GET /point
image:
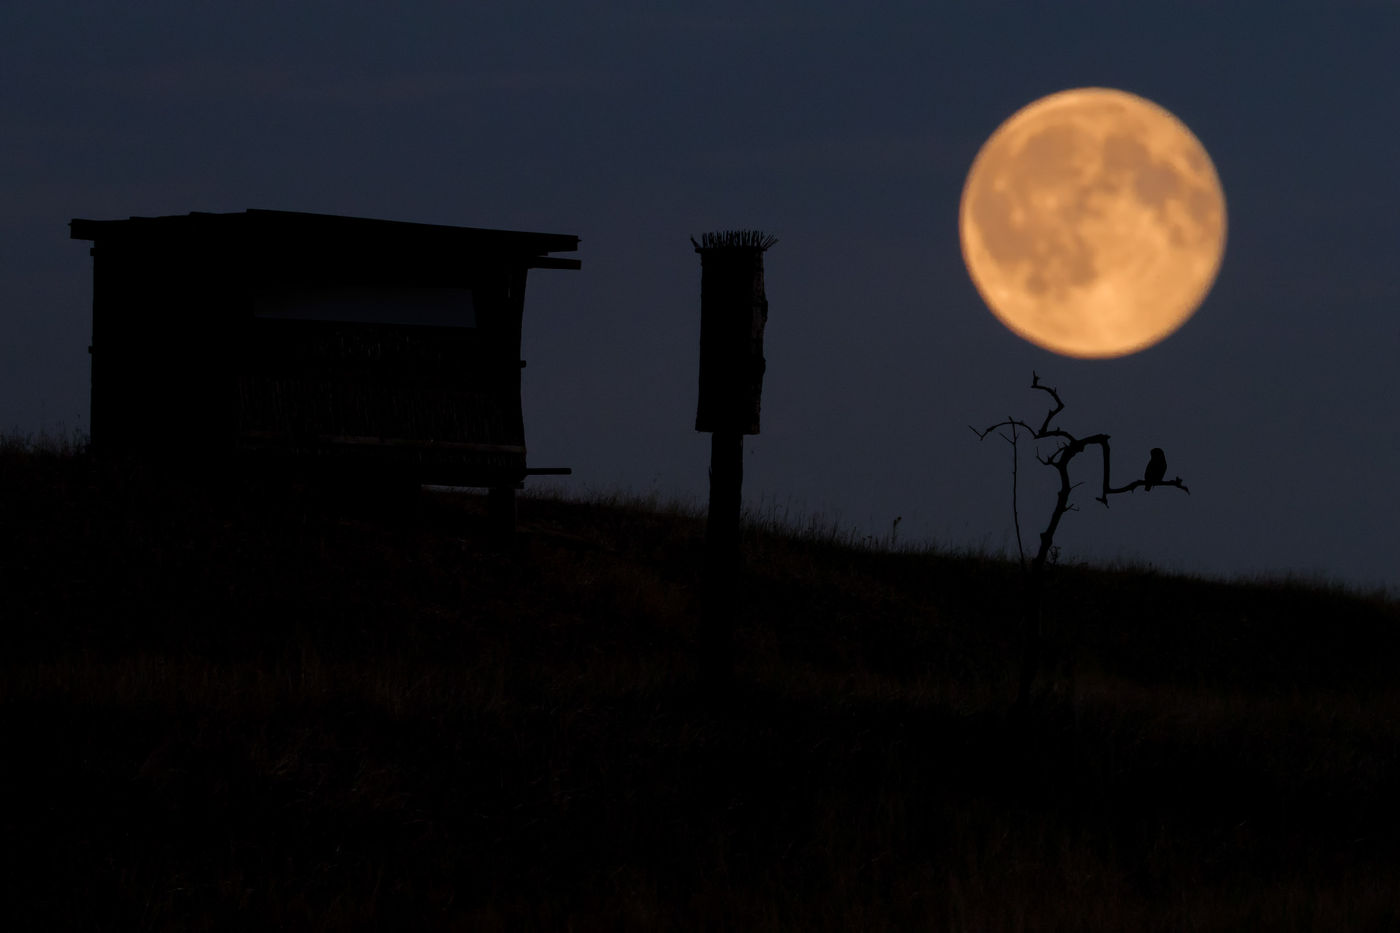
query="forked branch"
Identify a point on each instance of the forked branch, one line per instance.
(1072, 446)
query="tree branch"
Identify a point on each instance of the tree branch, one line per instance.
(1069, 448)
(1142, 482)
(1055, 394)
(1008, 423)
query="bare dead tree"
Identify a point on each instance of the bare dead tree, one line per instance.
(1068, 448)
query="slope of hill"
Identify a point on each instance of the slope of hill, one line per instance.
(226, 709)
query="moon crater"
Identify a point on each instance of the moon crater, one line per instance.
(1093, 223)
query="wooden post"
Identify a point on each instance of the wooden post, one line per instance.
(720, 599)
(733, 313)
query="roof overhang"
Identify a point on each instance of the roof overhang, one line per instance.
(275, 230)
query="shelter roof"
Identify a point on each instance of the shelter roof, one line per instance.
(274, 230)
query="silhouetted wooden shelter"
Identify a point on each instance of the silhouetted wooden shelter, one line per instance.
(325, 339)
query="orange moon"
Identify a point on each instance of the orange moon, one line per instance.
(1093, 223)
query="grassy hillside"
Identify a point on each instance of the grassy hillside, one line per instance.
(226, 710)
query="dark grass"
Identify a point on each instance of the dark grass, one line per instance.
(302, 709)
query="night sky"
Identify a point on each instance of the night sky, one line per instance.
(848, 135)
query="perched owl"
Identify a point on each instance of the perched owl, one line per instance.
(1156, 468)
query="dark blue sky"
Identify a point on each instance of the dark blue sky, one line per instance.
(848, 134)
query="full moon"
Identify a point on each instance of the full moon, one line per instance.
(1093, 223)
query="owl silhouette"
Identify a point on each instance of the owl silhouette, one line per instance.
(1156, 469)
